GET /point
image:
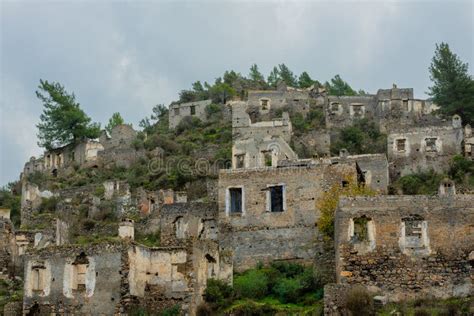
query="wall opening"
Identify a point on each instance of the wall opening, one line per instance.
(193, 109)
(80, 266)
(265, 104)
(276, 198)
(414, 235)
(179, 227)
(362, 234)
(357, 110)
(38, 277)
(401, 144)
(240, 161)
(235, 200)
(267, 158)
(176, 111)
(430, 143)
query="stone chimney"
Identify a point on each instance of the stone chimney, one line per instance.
(127, 229)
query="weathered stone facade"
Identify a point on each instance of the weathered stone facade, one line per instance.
(406, 246)
(423, 148)
(255, 232)
(179, 111)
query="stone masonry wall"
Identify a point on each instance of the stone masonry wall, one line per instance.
(414, 246)
(257, 234)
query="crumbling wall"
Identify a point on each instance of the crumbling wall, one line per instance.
(180, 222)
(424, 148)
(74, 280)
(399, 246)
(256, 233)
(179, 111)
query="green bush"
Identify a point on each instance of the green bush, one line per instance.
(188, 123)
(252, 284)
(172, 311)
(288, 269)
(218, 293)
(359, 302)
(48, 205)
(363, 137)
(420, 183)
(288, 290)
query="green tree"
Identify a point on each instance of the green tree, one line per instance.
(273, 77)
(115, 120)
(159, 115)
(338, 86)
(256, 77)
(287, 76)
(453, 87)
(62, 121)
(305, 81)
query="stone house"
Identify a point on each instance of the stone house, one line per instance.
(398, 246)
(423, 148)
(270, 213)
(178, 111)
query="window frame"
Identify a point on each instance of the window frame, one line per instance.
(269, 198)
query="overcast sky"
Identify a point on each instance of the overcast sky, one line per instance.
(126, 57)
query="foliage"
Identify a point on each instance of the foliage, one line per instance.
(420, 183)
(11, 199)
(148, 239)
(359, 302)
(363, 137)
(251, 284)
(328, 202)
(305, 81)
(273, 77)
(288, 290)
(314, 120)
(172, 311)
(62, 121)
(448, 307)
(461, 170)
(453, 87)
(218, 293)
(158, 120)
(115, 120)
(48, 205)
(256, 78)
(338, 86)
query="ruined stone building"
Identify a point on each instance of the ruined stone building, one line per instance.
(407, 246)
(424, 148)
(178, 111)
(262, 209)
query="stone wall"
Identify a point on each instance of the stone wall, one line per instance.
(179, 111)
(258, 234)
(56, 283)
(180, 222)
(424, 148)
(406, 246)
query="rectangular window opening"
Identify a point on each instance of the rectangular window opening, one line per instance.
(401, 143)
(235, 200)
(240, 161)
(276, 198)
(193, 110)
(431, 144)
(176, 111)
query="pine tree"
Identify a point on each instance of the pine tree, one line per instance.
(338, 86)
(256, 78)
(274, 77)
(453, 87)
(115, 120)
(305, 81)
(62, 121)
(287, 75)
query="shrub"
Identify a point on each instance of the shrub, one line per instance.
(188, 123)
(252, 284)
(204, 310)
(359, 302)
(288, 269)
(172, 311)
(218, 293)
(48, 205)
(288, 290)
(88, 224)
(363, 137)
(420, 183)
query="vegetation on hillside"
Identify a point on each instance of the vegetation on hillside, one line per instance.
(453, 86)
(461, 171)
(63, 121)
(282, 286)
(327, 203)
(363, 137)
(10, 198)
